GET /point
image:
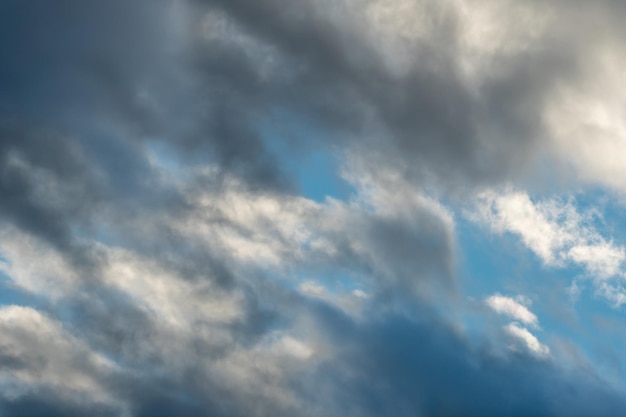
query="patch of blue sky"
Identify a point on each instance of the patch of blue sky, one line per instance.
(490, 263)
(598, 328)
(596, 322)
(318, 179)
(96, 232)
(334, 282)
(164, 155)
(314, 170)
(296, 144)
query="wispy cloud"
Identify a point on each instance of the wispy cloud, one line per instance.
(528, 339)
(557, 233)
(512, 308)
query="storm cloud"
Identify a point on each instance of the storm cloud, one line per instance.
(168, 261)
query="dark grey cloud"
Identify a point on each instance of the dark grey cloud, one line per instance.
(88, 91)
(342, 83)
(431, 371)
(148, 71)
(390, 365)
(35, 407)
(115, 73)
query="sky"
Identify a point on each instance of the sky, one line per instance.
(312, 208)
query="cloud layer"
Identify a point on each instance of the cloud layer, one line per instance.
(163, 260)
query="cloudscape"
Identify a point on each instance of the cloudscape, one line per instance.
(312, 208)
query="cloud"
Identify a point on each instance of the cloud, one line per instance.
(528, 339)
(149, 212)
(40, 358)
(429, 369)
(164, 309)
(556, 232)
(535, 224)
(158, 79)
(512, 308)
(195, 345)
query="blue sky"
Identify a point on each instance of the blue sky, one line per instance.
(312, 208)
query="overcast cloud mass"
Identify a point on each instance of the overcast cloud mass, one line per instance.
(312, 208)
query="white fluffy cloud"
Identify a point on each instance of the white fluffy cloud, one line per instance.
(512, 308)
(528, 339)
(516, 308)
(557, 233)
